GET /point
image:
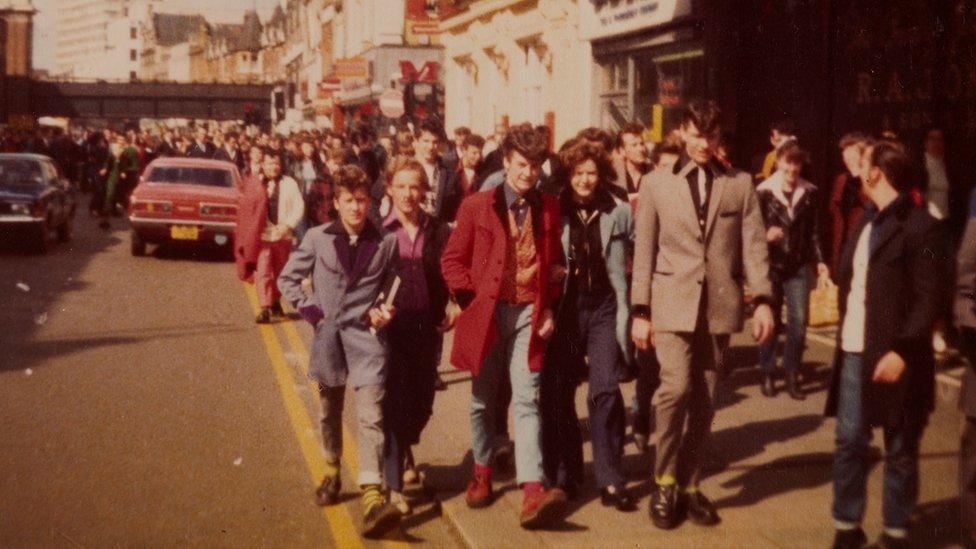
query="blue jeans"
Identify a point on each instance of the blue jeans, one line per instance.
(851, 461)
(509, 355)
(795, 293)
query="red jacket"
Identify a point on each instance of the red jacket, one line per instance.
(252, 214)
(472, 265)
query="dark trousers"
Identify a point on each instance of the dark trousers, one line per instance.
(414, 350)
(588, 330)
(851, 459)
(793, 291)
(648, 380)
(967, 448)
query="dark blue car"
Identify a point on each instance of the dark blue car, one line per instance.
(36, 203)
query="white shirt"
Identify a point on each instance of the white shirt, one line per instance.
(430, 199)
(852, 332)
(702, 187)
(937, 195)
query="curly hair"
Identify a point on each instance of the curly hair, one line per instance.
(350, 178)
(579, 153)
(527, 141)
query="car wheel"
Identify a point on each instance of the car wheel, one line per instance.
(138, 245)
(65, 231)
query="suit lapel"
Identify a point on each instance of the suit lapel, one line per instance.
(364, 255)
(607, 223)
(886, 232)
(343, 252)
(714, 199)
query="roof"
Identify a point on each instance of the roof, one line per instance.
(25, 156)
(190, 163)
(172, 29)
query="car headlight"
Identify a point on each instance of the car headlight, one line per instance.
(20, 208)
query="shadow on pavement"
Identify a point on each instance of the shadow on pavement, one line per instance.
(937, 523)
(781, 476)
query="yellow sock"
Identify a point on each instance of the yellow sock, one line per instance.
(666, 480)
(331, 468)
(371, 497)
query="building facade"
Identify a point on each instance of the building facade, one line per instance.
(516, 61)
(16, 33)
(99, 40)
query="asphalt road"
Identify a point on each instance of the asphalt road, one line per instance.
(141, 406)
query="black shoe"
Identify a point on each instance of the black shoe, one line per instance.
(619, 498)
(768, 387)
(700, 510)
(104, 225)
(277, 311)
(379, 520)
(328, 492)
(793, 386)
(439, 384)
(849, 539)
(571, 489)
(888, 542)
(264, 317)
(664, 507)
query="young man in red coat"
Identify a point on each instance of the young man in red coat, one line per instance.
(501, 266)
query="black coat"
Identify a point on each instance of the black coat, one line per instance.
(800, 245)
(237, 158)
(196, 151)
(905, 295)
(435, 238)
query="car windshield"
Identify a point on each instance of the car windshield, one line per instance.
(211, 177)
(19, 171)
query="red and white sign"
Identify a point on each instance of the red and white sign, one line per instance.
(427, 73)
(329, 85)
(391, 103)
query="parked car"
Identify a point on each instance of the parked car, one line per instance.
(36, 202)
(189, 200)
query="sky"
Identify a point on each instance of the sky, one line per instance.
(45, 24)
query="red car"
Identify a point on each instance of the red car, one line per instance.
(185, 200)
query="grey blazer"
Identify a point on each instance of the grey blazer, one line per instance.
(343, 349)
(673, 260)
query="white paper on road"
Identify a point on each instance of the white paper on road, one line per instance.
(40, 319)
(28, 372)
(23, 287)
(238, 462)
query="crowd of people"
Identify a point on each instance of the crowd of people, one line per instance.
(605, 260)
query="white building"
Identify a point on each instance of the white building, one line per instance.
(99, 39)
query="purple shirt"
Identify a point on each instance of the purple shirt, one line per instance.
(412, 295)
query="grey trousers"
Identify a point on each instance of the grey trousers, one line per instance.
(369, 428)
(689, 376)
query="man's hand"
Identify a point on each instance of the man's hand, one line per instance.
(889, 368)
(546, 324)
(557, 274)
(762, 323)
(823, 271)
(380, 316)
(451, 312)
(642, 333)
(312, 314)
(774, 233)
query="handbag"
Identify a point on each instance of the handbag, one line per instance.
(823, 304)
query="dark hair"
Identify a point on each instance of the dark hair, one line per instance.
(350, 178)
(431, 127)
(630, 129)
(462, 130)
(527, 141)
(854, 139)
(581, 152)
(473, 140)
(671, 145)
(782, 126)
(704, 114)
(893, 160)
(597, 136)
(792, 153)
(403, 163)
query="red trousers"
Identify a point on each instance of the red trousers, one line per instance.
(271, 261)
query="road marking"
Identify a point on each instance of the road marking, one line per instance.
(349, 457)
(338, 517)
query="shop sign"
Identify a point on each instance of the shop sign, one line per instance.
(353, 67)
(391, 103)
(604, 18)
(427, 73)
(329, 85)
(669, 91)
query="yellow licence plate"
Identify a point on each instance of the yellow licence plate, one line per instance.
(178, 232)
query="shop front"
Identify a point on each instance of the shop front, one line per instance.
(648, 62)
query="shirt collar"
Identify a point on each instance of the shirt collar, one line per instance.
(713, 166)
(337, 228)
(392, 222)
(531, 197)
(879, 216)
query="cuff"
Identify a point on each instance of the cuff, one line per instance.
(761, 300)
(640, 311)
(903, 348)
(463, 298)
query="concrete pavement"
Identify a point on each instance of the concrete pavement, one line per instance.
(142, 406)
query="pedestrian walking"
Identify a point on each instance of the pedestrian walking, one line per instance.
(890, 296)
(699, 232)
(200, 147)
(590, 339)
(498, 265)
(847, 198)
(790, 210)
(414, 336)
(350, 263)
(965, 316)
(270, 209)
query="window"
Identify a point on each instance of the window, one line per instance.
(133, 33)
(132, 55)
(132, 76)
(191, 176)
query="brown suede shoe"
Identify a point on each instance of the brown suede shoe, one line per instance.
(479, 492)
(540, 509)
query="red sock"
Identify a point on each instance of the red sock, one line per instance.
(530, 488)
(482, 470)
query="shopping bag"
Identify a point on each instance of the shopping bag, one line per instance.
(823, 304)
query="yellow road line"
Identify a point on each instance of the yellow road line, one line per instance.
(349, 454)
(338, 517)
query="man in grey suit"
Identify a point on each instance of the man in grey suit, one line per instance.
(699, 235)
